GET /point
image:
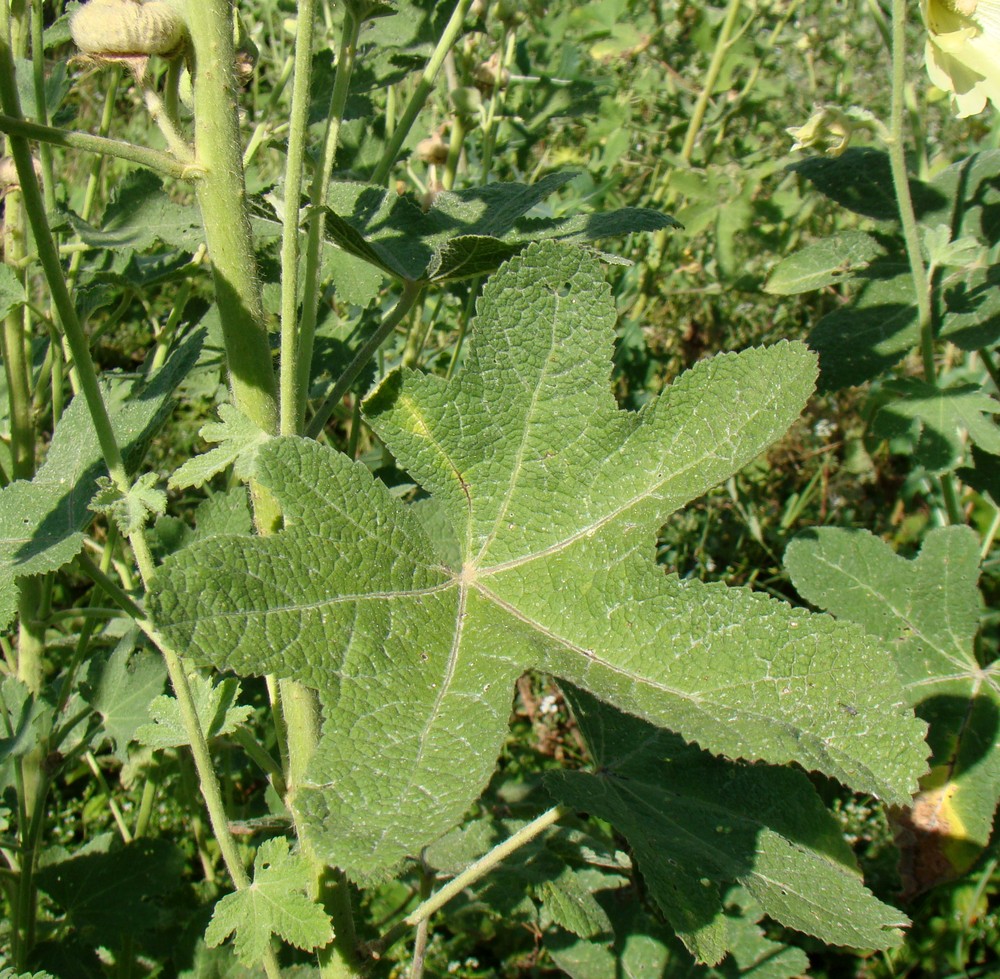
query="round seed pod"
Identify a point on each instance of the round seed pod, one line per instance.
(117, 29)
(433, 149)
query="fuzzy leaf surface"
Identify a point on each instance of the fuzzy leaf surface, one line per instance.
(927, 609)
(274, 904)
(698, 824)
(550, 496)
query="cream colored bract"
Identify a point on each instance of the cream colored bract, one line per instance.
(963, 50)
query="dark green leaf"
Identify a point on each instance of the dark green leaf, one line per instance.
(110, 896)
(698, 824)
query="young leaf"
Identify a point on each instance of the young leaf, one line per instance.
(130, 511)
(237, 439)
(927, 611)
(936, 421)
(697, 824)
(553, 496)
(42, 521)
(216, 713)
(274, 904)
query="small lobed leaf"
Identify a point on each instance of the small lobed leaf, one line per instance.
(122, 687)
(236, 439)
(274, 904)
(131, 510)
(937, 421)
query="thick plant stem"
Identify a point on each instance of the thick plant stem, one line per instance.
(222, 198)
(425, 86)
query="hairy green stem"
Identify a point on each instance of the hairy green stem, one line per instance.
(467, 877)
(317, 194)
(911, 236)
(154, 160)
(48, 257)
(222, 197)
(298, 128)
(411, 292)
(425, 86)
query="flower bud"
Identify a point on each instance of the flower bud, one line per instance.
(114, 30)
(828, 129)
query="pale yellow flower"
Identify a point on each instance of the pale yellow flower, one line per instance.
(963, 50)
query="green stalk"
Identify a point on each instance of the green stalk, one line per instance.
(317, 194)
(13, 124)
(711, 77)
(425, 86)
(467, 878)
(48, 257)
(222, 198)
(38, 78)
(410, 294)
(290, 413)
(908, 223)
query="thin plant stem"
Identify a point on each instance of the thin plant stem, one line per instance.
(290, 414)
(911, 236)
(48, 257)
(116, 812)
(154, 160)
(722, 43)
(411, 291)
(425, 86)
(317, 196)
(469, 876)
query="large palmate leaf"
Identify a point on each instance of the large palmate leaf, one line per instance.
(535, 551)
(42, 521)
(927, 610)
(698, 824)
